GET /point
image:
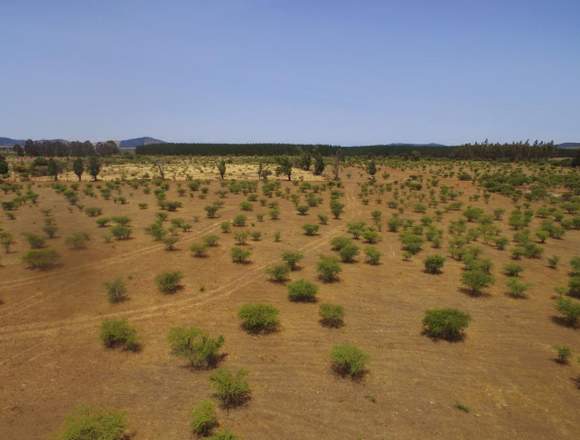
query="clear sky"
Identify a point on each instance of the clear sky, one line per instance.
(340, 72)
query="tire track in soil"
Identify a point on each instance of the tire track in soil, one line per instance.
(43, 329)
(14, 308)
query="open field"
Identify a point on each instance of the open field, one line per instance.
(500, 381)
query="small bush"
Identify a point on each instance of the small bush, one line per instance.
(373, 255)
(121, 232)
(302, 291)
(211, 240)
(512, 269)
(259, 318)
(116, 291)
(516, 288)
(310, 229)
(168, 282)
(240, 255)
(446, 324)
(434, 264)
(41, 259)
(35, 241)
(476, 280)
(563, 354)
(196, 346)
(570, 310)
(348, 253)
(331, 315)
(223, 435)
(118, 333)
(203, 418)
(278, 272)
(328, 269)
(553, 261)
(198, 250)
(292, 258)
(232, 389)
(348, 360)
(78, 240)
(87, 423)
(337, 243)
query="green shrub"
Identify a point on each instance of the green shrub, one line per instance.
(574, 286)
(337, 243)
(563, 354)
(169, 241)
(516, 288)
(371, 236)
(512, 269)
(476, 280)
(302, 291)
(328, 269)
(78, 240)
(331, 315)
(348, 360)
(278, 272)
(211, 240)
(240, 220)
(118, 333)
(570, 310)
(310, 229)
(121, 232)
(240, 255)
(116, 290)
(434, 264)
(446, 324)
(196, 346)
(223, 435)
(168, 282)
(259, 318)
(292, 258)
(348, 253)
(232, 389)
(203, 418)
(553, 261)
(35, 241)
(575, 265)
(198, 250)
(373, 255)
(41, 259)
(241, 237)
(88, 423)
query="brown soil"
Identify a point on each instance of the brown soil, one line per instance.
(52, 359)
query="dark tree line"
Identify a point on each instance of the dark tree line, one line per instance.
(62, 148)
(309, 152)
(509, 151)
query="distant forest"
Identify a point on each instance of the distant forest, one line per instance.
(62, 148)
(485, 150)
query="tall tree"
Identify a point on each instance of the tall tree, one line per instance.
(318, 164)
(94, 166)
(372, 168)
(4, 169)
(221, 166)
(79, 167)
(284, 167)
(336, 167)
(53, 169)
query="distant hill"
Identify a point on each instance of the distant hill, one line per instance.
(9, 142)
(137, 142)
(569, 145)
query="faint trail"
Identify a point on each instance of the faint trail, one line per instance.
(101, 263)
(43, 329)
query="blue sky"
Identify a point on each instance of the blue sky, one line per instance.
(340, 72)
